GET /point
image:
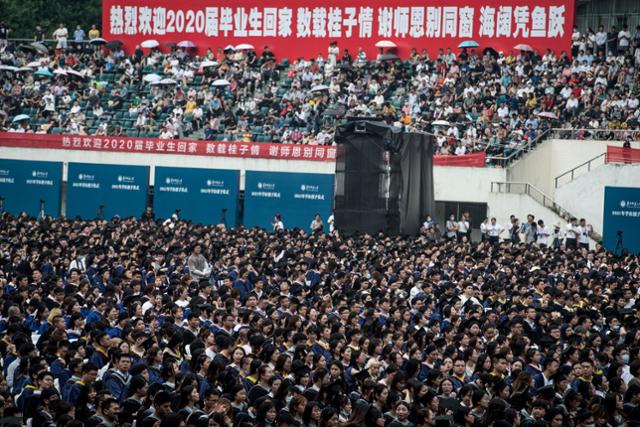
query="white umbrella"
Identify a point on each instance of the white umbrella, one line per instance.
(34, 64)
(24, 70)
(319, 88)
(221, 82)
(8, 68)
(229, 47)
(20, 117)
(152, 78)
(72, 72)
(149, 44)
(206, 64)
(523, 47)
(386, 43)
(60, 72)
(440, 123)
(168, 82)
(245, 46)
(98, 40)
(187, 44)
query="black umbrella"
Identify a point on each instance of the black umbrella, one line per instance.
(388, 57)
(490, 51)
(114, 44)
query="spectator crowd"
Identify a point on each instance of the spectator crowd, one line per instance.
(484, 100)
(150, 323)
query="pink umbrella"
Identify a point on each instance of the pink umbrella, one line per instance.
(524, 47)
(547, 115)
(187, 44)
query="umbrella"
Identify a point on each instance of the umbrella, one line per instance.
(101, 86)
(523, 47)
(114, 44)
(150, 44)
(40, 47)
(319, 88)
(221, 82)
(547, 115)
(44, 72)
(187, 44)
(440, 123)
(75, 73)
(245, 46)
(206, 64)
(20, 117)
(59, 71)
(386, 43)
(229, 47)
(388, 57)
(152, 78)
(10, 68)
(24, 70)
(168, 82)
(468, 43)
(490, 51)
(34, 64)
(98, 41)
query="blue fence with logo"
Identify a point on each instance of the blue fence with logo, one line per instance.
(205, 196)
(297, 197)
(32, 187)
(621, 219)
(95, 190)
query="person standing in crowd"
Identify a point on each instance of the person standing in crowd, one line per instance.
(4, 34)
(60, 35)
(542, 234)
(483, 229)
(572, 233)
(452, 227)
(198, 266)
(529, 229)
(624, 40)
(463, 228)
(494, 230)
(38, 35)
(78, 37)
(601, 41)
(585, 234)
(331, 221)
(277, 224)
(94, 33)
(317, 225)
(514, 231)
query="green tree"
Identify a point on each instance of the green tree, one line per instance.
(22, 16)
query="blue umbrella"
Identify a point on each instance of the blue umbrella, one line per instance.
(20, 117)
(43, 72)
(468, 43)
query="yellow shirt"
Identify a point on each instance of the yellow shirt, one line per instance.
(94, 33)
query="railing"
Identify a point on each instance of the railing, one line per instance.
(504, 161)
(595, 134)
(588, 165)
(539, 196)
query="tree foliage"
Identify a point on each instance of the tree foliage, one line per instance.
(22, 16)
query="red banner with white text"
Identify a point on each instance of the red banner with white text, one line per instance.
(255, 150)
(170, 146)
(622, 154)
(474, 160)
(305, 28)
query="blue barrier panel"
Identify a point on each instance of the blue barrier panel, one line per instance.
(205, 196)
(106, 190)
(24, 184)
(295, 196)
(621, 218)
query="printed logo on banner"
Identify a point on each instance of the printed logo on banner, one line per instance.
(630, 204)
(126, 183)
(5, 172)
(309, 192)
(86, 177)
(266, 189)
(39, 178)
(173, 181)
(5, 178)
(173, 185)
(215, 186)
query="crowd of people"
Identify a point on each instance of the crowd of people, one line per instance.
(147, 323)
(485, 100)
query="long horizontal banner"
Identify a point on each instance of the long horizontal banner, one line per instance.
(477, 160)
(622, 155)
(248, 150)
(305, 28)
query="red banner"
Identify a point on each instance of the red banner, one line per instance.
(474, 160)
(170, 146)
(622, 155)
(305, 29)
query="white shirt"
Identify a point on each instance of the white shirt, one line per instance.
(543, 235)
(61, 34)
(278, 225)
(572, 232)
(584, 233)
(463, 226)
(494, 230)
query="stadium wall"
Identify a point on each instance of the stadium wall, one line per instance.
(585, 194)
(553, 158)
